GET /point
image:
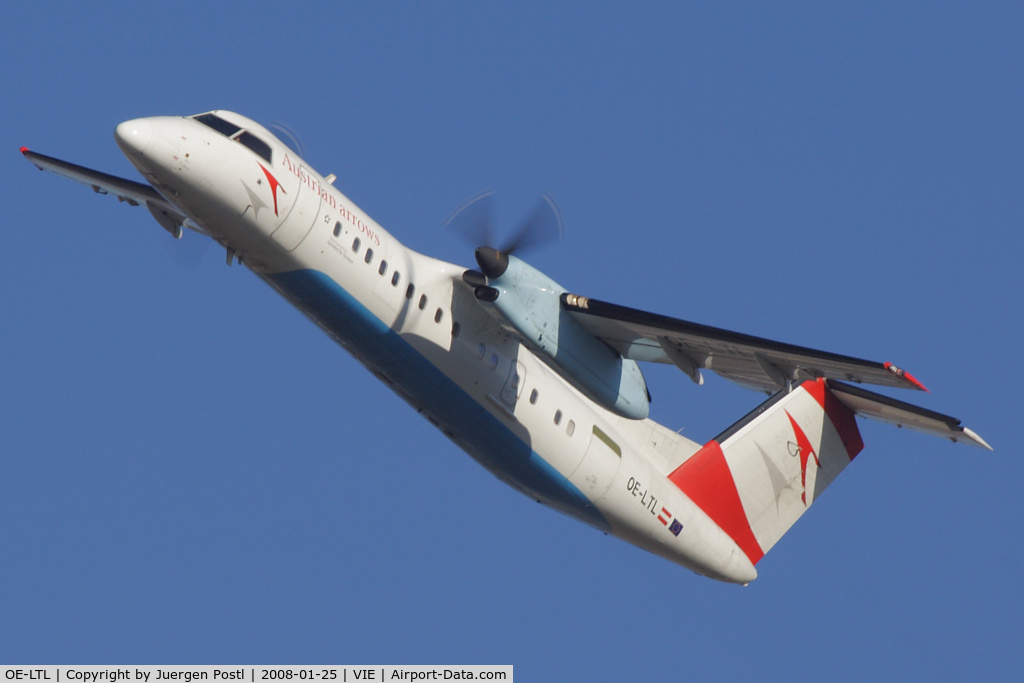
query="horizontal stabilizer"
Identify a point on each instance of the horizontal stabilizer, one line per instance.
(885, 409)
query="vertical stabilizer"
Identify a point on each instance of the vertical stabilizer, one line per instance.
(756, 478)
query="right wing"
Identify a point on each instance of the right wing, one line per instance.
(166, 214)
(760, 363)
(750, 361)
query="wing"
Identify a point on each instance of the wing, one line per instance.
(751, 361)
(134, 193)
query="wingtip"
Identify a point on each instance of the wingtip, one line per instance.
(977, 440)
(910, 378)
(24, 150)
(903, 374)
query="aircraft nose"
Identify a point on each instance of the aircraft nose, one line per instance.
(134, 136)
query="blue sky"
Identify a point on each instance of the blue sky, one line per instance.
(191, 472)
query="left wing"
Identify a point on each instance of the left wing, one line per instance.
(751, 361)
(166, 214)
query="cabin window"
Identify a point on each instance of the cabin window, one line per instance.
(438, 316)
(355, 246)
(558, 417)
(533, 397)
(570, 427)
(494, 361)
(255, 144)
(383, 267)
(369, 255)
(395, 278)
(337, 228)
(481, 351)
(410, 290)
(423, 301)
(456, 328)
(218, 124)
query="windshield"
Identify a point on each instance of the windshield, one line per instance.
(236, 133)
(218, 124)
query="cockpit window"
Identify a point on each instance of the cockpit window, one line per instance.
(218, 124)
(235, 132)
(255, 144)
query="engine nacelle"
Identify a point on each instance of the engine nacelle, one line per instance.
(528, 303)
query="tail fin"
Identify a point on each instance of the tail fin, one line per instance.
(760, 475)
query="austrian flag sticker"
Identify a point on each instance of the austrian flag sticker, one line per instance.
(673, 524)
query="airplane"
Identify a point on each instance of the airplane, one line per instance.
(542, 386)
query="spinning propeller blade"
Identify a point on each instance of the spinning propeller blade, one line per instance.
(542, 225)
(289, 137)
(474, 221)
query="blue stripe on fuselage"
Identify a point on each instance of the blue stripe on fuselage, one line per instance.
(480, 433)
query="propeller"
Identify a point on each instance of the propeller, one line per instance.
(289, 137)
(188, 251)
(474, 221)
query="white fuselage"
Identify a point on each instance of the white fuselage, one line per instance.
(413, 322)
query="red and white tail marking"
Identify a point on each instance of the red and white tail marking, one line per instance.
(766, 470)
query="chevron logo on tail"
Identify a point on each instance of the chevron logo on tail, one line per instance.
(805, 451)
